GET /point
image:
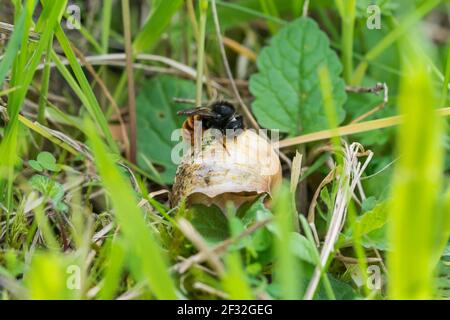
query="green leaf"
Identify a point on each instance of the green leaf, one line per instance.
(250, 211)
(342, 289)
(261, 240)
(302, 248)
(35, 165)
(49, 188)
(210, 222)
(156, 120)
(372, 220)
(46, 186)
(376, 239)
(47, 161)
(372, 228)
(369, 203)
(286, 88)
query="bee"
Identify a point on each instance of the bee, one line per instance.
(220, 115)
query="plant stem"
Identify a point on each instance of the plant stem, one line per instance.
(44, 84)
(201, 51)
(305, 9)
(269, 8)
(351, 129)
(348, 13)
(446, 83)
(131, 90)
(106, 25)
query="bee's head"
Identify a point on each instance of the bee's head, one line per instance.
(223, 109)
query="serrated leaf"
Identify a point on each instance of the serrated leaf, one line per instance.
(342, 290)
(376, 239)
(52, 189)
(372, 228)
(373, 220)
(286, 88)
(156, 120)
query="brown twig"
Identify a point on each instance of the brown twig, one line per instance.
(131, 89)
(197, 240)
(208, 289)
(219, 248)
(117, 59)
(352, 260)
(369, 113)
(8, 29)
(376, 89)
(239, 48)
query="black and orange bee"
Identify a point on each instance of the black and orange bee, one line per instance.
(219, 115)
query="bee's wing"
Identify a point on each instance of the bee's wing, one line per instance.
(201, 111)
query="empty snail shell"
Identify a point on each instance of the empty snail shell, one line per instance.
(234, 170)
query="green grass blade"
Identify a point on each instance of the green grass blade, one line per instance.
(269, 8)
(44, 84)
(106, 25)
(404, 27)
(22, 74)
(348, 14)
(131, 221)
(326, 89)
(287, 270)
(85, 86)
(326, 281)
(157, 22)
(416, 185)
(234, 280)
(47, 278)
(446, 83)
(72, 82)
(13, 47)
(113, 270)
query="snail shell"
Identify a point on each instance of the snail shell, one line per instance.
(235, 170)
